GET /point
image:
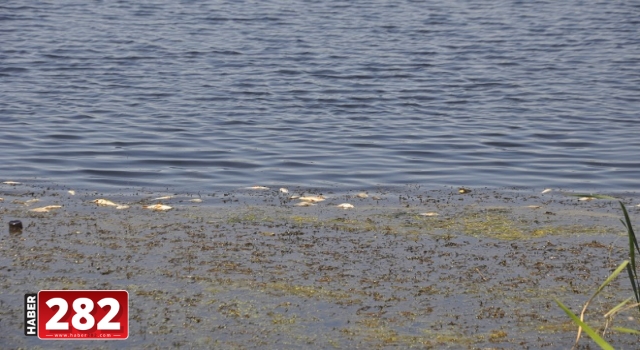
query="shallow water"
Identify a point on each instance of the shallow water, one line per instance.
(193, 95)
(247, 269)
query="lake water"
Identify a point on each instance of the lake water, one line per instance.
(198, 95)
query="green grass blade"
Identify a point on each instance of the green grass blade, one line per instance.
(617, 308)
(590, 332)
(633, 284)
(632, 236)
(612, 276)
(633, 243)
(626, 330)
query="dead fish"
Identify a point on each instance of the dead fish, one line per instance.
(533, 206)
(161, 198)
(13, 183)
(304, 204)
(547, 190)
(312, 198)
(46, 209)
(196, 200)
(72, 192)
(345, 206)
(1, 199)
(157, 207)
(431, 213)
(104, 202)
(463, 190)
(257, 188)
(295, 196)
(586, 198)
(268, 234)
(124, 206)
(284, 190)
(30, 201)
(376, 198)
(362, 195)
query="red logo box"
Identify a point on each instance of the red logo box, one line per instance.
(83, 314)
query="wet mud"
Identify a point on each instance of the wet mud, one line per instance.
(250, 269)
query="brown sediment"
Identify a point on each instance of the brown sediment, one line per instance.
(253, 270)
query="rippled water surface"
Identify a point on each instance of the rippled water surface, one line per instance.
(202, 94)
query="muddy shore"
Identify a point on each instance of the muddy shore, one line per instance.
(249, 269)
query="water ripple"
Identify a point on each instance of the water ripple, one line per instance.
(188, 94)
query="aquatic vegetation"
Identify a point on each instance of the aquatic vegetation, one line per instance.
(630, 266)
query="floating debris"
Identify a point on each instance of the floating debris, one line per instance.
(157, 207)
(196, 200)
(312, 198)
(431, 213)
(72, 192)
(533, 206)
(547, 190)
(284, 190)
(257, 188)
(304, 204)
(345, 206)
(104, 202)
(362, 195)
(161, 198)
(463, 190)
(46, 209)
(586, 198)
(124, 206)
(12, 183)
(15, 226)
